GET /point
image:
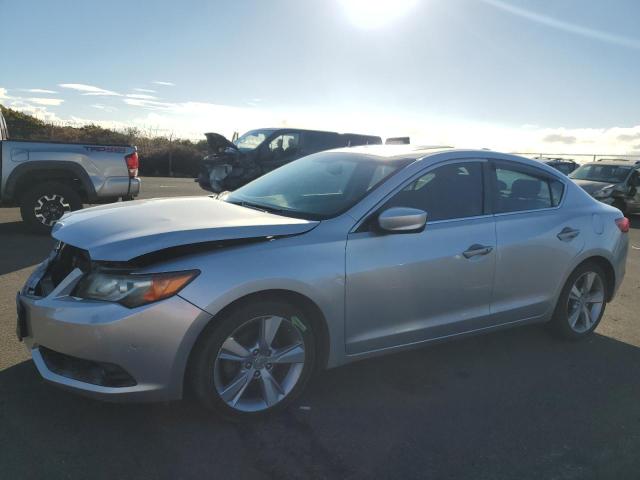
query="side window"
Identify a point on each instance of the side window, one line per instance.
(447, 192)
(518, 191)
(284, 146)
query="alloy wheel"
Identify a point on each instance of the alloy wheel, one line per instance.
(49, 208)
(585, 302)
(259, 364)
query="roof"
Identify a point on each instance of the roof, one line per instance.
(616, 161)
(393, 152)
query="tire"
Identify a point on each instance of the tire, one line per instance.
(569, 320)
(45, 203)
(235, 381)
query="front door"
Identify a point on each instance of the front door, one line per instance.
(407, 288)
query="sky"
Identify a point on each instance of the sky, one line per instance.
(515, 75)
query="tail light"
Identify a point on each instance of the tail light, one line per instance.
(623, 224)
(132, 164)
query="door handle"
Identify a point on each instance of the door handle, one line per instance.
(567, 234)
(477, 249)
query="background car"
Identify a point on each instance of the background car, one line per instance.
(230, 165)
(336, 257)
(614, 182)
(564, 165)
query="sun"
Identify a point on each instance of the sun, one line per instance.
(369, 14)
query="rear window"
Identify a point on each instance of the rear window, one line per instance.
(517, 191)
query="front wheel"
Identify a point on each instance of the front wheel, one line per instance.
(255, 360)
(581, 303)
(44, 204)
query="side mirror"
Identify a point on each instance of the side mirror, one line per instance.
(402, 220)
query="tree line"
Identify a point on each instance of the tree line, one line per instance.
(159, 155)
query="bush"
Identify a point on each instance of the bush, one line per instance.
(158, 155)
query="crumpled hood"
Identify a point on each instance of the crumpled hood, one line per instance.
(590, 186)
(218, 143)
(123, 231)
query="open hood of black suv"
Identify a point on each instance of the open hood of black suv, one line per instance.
(218, 143)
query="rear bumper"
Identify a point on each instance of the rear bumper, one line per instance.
(620, 262)
(134, 186)
(150, 343)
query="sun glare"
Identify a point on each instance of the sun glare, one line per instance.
(370, 14)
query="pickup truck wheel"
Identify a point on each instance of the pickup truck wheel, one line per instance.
(44, 204)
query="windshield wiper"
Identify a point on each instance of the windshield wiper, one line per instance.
(277, 211)
(260, 207)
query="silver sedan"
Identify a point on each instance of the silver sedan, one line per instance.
(336, 257)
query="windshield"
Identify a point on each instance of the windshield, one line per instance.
(601, 173)
(316, 187)
(251, 139)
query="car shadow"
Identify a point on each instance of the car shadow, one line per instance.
(634, 221)
(513, 404)
(21, 248)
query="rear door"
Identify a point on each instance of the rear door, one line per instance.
(536, 240)
(412, 287)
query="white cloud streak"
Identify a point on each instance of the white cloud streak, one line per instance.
(37, 90)
(52, 102)
(90, 90)
(141, 96)
(165, 84)
(144, 90)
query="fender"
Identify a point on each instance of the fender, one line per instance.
(33, 167)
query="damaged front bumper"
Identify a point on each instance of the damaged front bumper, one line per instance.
(104, 349)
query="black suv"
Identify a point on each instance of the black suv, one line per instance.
(230, 165)
(564, 165)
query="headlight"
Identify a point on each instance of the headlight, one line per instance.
(133, 290)
(603, 193)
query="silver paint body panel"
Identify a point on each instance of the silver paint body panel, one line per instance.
(376, 292)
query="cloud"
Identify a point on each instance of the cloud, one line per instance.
(37, 90)
(105, 108)
(144, 90)
(559, 138)
(54, 102)
(141, 96)
(3, 93)
(629, 137)
(148, 104)
(166, 84)
(90, 90)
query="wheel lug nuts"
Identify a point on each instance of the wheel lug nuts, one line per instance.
(269, 366)
(257, 374)
(247, 365)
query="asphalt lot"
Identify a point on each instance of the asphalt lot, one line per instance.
(513, 404)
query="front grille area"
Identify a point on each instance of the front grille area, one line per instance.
(68, 258)
(88, 371)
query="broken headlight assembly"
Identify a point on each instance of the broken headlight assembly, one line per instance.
(132, 289)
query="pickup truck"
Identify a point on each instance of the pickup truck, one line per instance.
(48, 179)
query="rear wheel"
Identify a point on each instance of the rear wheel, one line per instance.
(44, 204)
(581, 303)
(255, 360)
